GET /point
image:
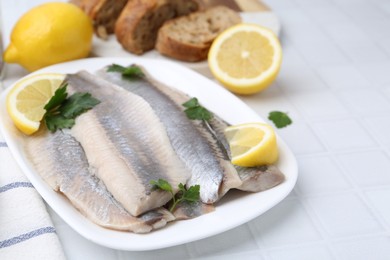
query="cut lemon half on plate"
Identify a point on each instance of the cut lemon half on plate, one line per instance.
(27, 98)
(245, 58)
(252, 144)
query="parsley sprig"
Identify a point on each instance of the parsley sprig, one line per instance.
(131, 72)
(196, 111)
(280, 119)
(191, 194)
(61, 111)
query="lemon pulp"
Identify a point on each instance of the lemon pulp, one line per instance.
(252, 144)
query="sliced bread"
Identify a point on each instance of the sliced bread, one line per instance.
(103, 13)
(137, 26)
(189, 38)
(232, 4)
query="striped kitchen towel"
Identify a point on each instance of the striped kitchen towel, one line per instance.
(26, 230)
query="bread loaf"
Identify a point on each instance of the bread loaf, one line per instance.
(103, 13)
(137, 26)
(189, 38)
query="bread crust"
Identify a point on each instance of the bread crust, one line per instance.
(137, 26)
(103, 13)
(173, 48)
(175, 45)
(128, 22)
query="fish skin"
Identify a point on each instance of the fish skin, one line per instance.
(259, 178)
(127, 144)
(192, 142)
(187, 210)
(157, 218)
(254, 179)
(61, 162)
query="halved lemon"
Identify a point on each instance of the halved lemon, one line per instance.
(27, 98)
(245, 58)
(252, 144)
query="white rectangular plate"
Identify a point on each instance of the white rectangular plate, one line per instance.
(233, 210)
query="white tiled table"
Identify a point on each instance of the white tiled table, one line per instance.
(335, 84)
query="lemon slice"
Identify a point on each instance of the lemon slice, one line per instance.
(245, 58)
(252, 144)
(27, 98)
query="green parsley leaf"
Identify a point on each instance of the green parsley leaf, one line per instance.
(115, 68)
(131, 72)
(198, 113)
(58, 98)
(55, 122)
(162, 185)
(61, 111)
(195, 111)
(193, 102)
(77, 104)
(182, 188)
(280, 119)
(191, 194)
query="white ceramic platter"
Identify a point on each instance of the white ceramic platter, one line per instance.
(233, 210)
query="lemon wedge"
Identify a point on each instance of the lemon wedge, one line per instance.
(245, 58)
(252, 144)
(27, 98)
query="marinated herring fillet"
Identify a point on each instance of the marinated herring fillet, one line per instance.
(253, 179)
(187, 210)
(260, 178)
(126, 144)
(63, 165)
(194, 144)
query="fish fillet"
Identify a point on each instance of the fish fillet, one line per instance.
(126, 143)
(259, 178)
(197, 148)
(253, 179)
(187, 210)
(61, 162)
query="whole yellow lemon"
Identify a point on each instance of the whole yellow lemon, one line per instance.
(48, 34)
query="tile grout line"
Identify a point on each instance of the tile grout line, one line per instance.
(354, 186)
(373, 4)
(358, 191)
